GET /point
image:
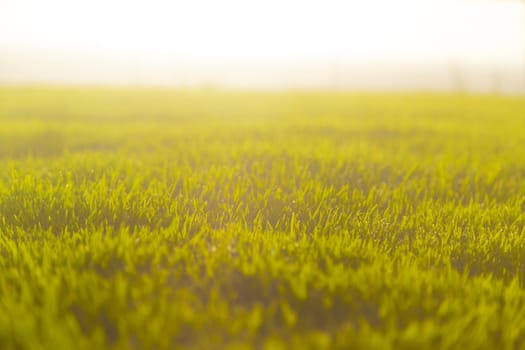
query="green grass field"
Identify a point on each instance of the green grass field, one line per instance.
(156, 219)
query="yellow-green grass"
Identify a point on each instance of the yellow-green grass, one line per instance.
(148, 218)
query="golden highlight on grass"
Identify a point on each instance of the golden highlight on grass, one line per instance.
(161, 219)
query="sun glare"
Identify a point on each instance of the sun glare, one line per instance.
(276, 32)
(271, 29)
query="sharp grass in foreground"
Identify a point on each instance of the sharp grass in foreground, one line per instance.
(135, 219)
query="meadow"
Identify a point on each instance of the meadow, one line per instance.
(159, 219)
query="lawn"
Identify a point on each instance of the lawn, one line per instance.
(204, 219)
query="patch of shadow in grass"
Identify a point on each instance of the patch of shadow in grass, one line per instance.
(43, 144)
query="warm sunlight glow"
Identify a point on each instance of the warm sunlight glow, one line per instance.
(273, 31)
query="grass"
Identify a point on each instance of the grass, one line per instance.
(159, 219)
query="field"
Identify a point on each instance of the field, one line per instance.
(157, 219)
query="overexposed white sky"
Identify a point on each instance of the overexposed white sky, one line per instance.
(466, 32)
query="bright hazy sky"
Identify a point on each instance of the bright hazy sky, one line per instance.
(152, 32)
